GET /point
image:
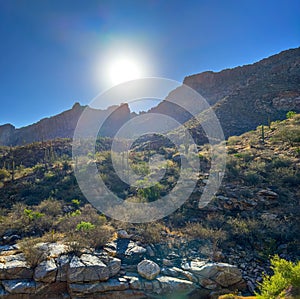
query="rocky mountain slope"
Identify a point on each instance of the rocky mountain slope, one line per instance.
(243, 98)
(64, 124)
(248, 96)
(254, 215)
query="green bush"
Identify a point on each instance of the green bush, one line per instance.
(4, 174)
(84, 226)
(252, 178)
(290, 114)
(286, 274)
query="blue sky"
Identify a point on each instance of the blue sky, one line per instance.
(53, 53)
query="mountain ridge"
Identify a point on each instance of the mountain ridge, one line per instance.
(242, 98)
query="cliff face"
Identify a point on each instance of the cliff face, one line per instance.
(248, 96)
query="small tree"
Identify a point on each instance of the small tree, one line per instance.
(286, 274)
(290, 114)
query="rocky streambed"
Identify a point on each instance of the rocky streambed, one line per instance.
(123, 269)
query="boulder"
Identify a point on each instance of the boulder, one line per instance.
(148, 269)
(267, 194)
(114, 267)
(53, 249)
(208, 273)
(15, 267)
(173, 285)
(126, 250)
(62, 267)
(46, 271)
(93, 288)
(87, 268)
(122, 234)
(21, 286)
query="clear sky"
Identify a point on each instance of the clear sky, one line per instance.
(56, 52)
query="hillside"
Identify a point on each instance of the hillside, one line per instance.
(242, 98)
(255, 213)
(247, 96)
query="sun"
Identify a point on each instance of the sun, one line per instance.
(124, 69)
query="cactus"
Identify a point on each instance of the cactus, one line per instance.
(263, 133)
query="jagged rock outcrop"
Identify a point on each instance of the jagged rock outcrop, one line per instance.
(100, 275)
(64, 124)
(248, 96)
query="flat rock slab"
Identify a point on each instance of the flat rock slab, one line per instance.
(21, 286)
(15, 267)
(92, 288)
(172, 285)
(87, 268)
(46, 271)
(207, 273)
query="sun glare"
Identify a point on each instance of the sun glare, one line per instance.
(124, 69)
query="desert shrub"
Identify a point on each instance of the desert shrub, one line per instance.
(241, 227)
(52, 237)
(246, 156)
(290, 114)
(258, 166)
(33, 254)
(4, 174)
(50, 207)
(280, 162)
(233, 140)
(286, 274)
(288, 134)
(198, 231)
(89, 237)
(232, 167)
(86, 213)
(84, 226)
(251, 178)
(151, 232)
(285, 175)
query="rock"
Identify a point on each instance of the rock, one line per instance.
(15, 267)
(185, 274)
(251, 286)
(150, 251)
(172, 285)
(268, 194)
(228, 276)
(126, 294)
(268, 216)
(87, 268)
(114, 267)
(5, 248)
(223, 274)
(46, 271)
(167, 262)
(208, 284)
(92, 288)
(148, 269)
(128, 251)
(53, 249)
(11, 239)
(21, 286)
(122, 234)
(134, 281)
(62, 267)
